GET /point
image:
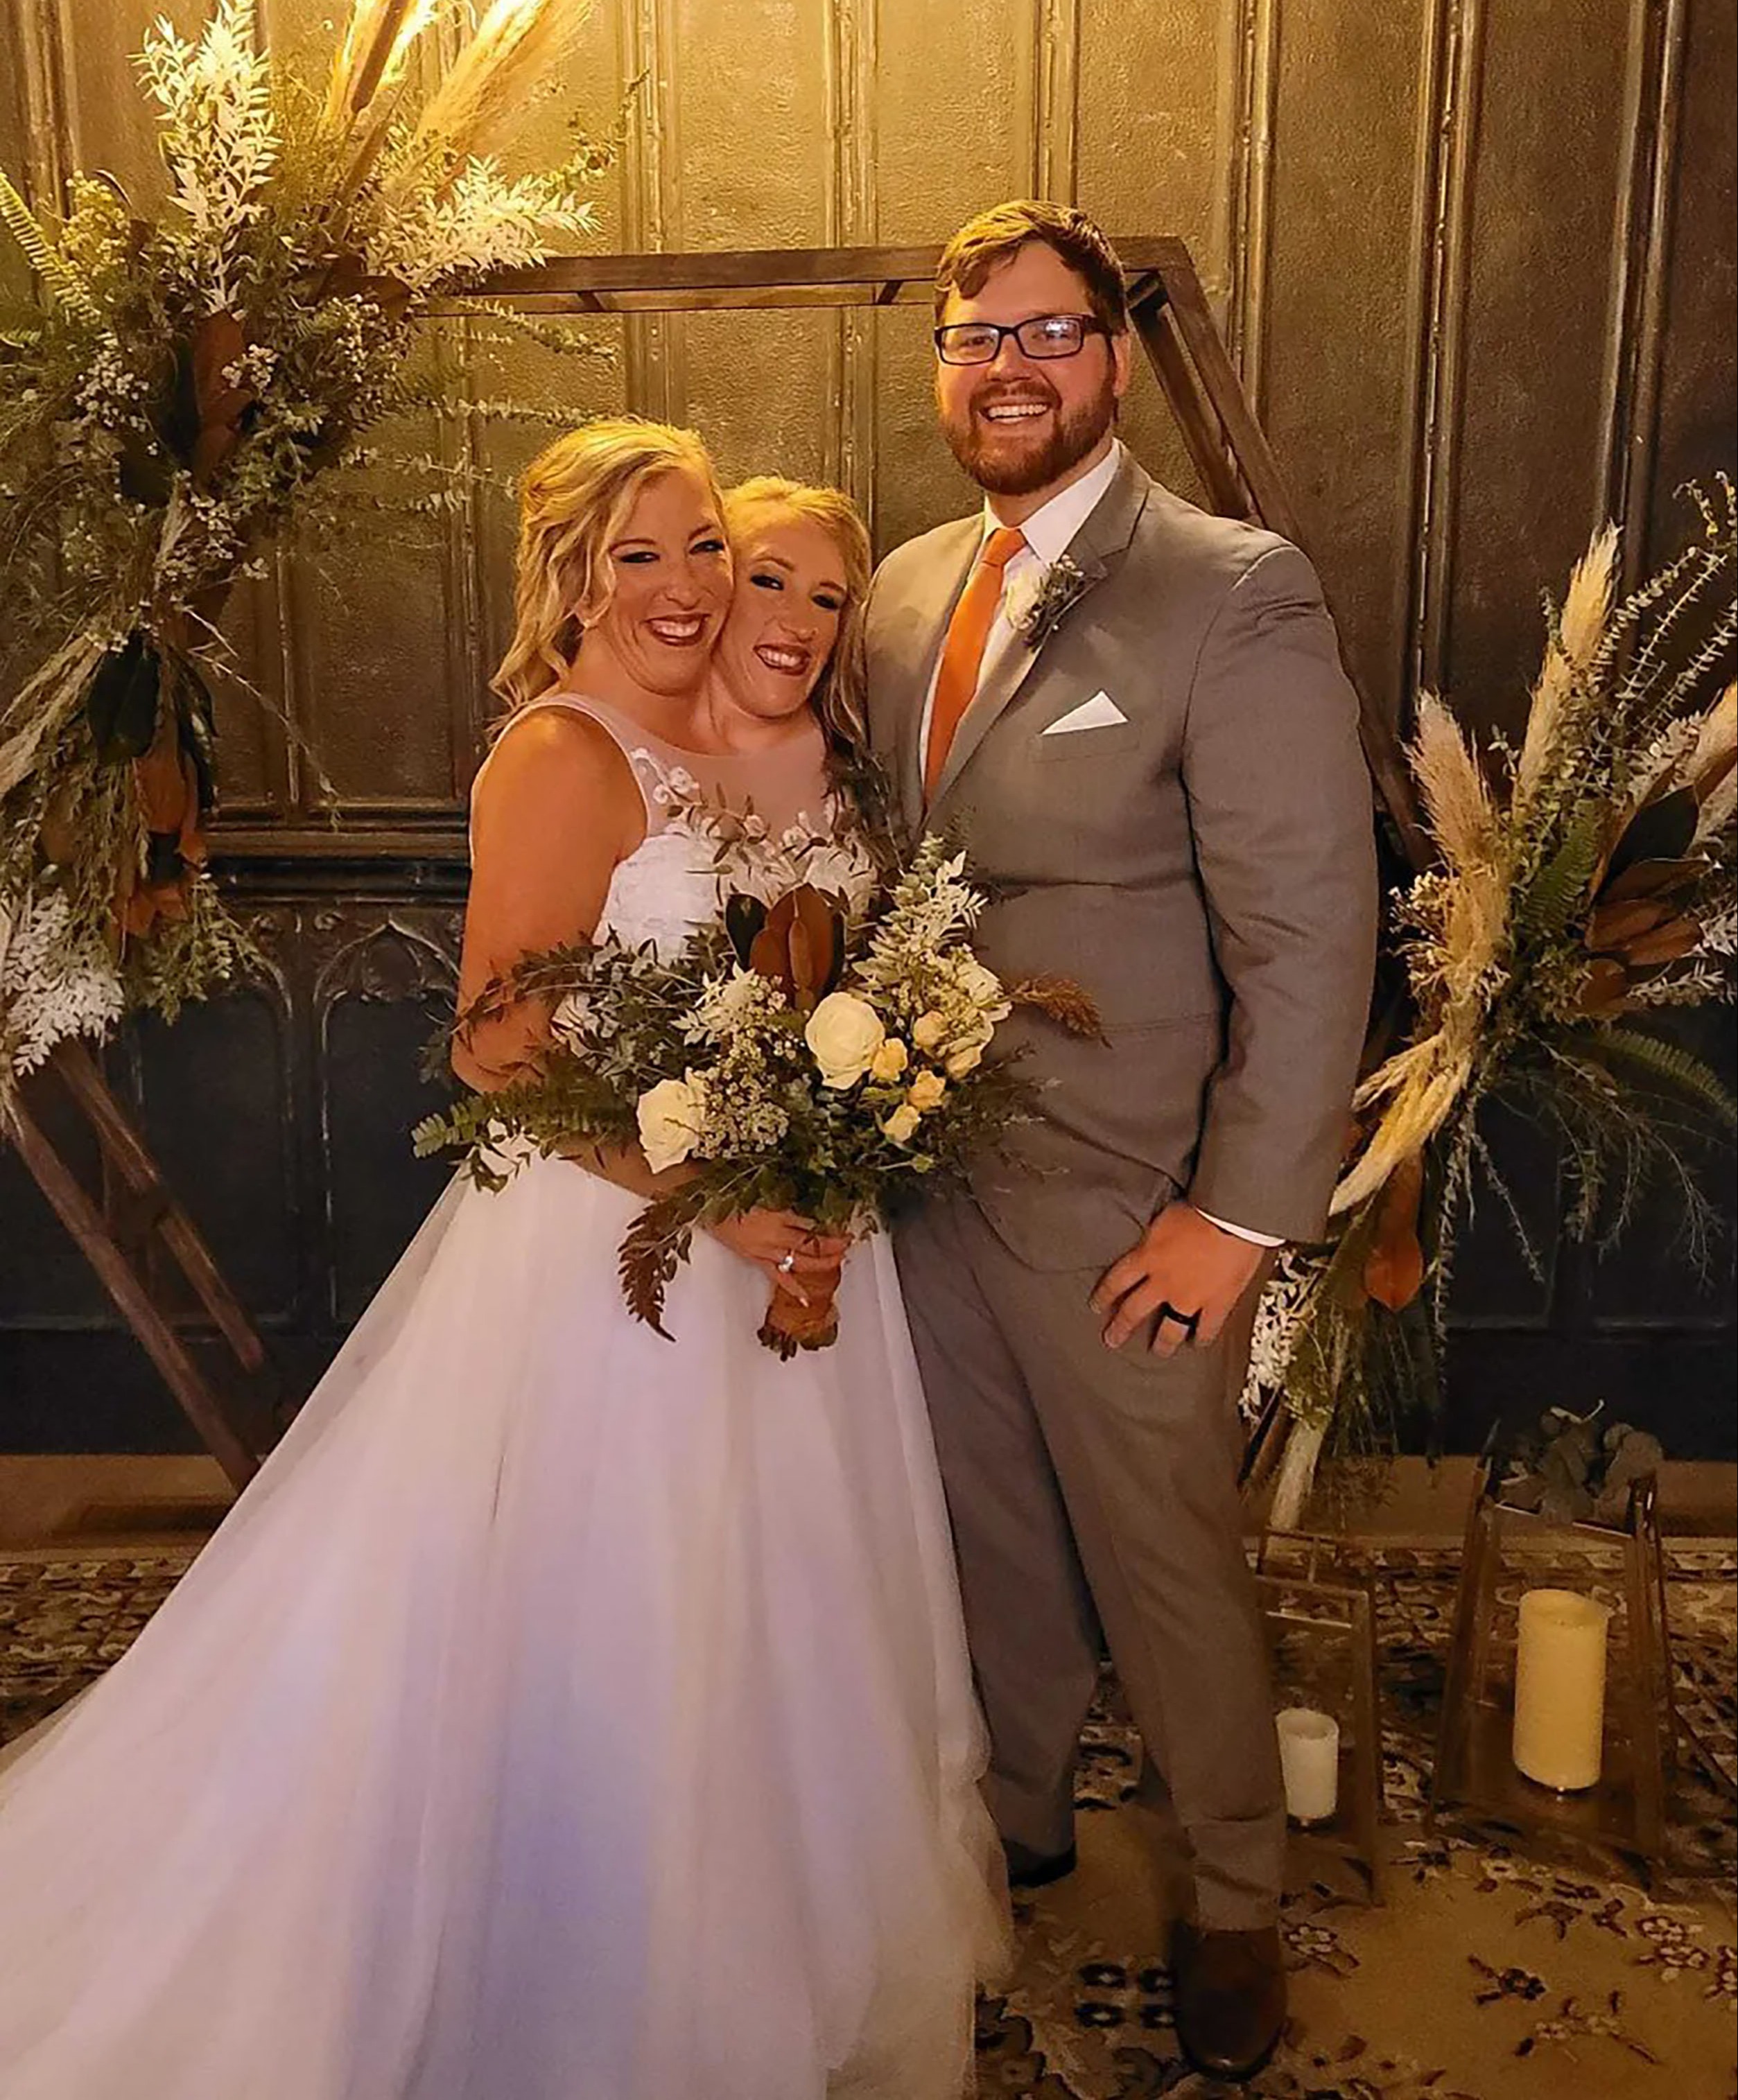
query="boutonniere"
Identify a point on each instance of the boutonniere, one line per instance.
(1040, 609)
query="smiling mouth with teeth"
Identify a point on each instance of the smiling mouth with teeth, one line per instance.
(678, 633)
(794, 662)
(1006, 412)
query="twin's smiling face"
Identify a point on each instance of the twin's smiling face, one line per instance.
(784, 621)
(670, 584)
(772, 612)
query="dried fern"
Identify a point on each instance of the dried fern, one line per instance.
(653, 1249)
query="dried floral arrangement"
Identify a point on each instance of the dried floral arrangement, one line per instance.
(169, 401)
(1584, 885)
(1573, 1469)
(818, 1044)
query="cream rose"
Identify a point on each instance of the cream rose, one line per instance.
(669, 1116)
(890, 1060)
(926, 1091)
(982, 987)
(928, 1030)
(902, 1125)
(964, 1052)
(844, 1033)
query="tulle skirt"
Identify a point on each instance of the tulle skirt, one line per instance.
(564, 1713)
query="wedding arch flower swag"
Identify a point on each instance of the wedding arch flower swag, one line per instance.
(184, 388)
(1583, 889)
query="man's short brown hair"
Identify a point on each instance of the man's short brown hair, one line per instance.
(995, 236)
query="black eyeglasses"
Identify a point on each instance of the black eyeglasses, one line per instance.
(1045, 335)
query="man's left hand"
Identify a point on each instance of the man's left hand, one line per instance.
(1184, 1262)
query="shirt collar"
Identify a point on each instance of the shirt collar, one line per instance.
(1050, 529)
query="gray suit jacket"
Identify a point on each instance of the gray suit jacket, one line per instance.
(1205, 868)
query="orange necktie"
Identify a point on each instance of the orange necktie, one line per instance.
(962, 652)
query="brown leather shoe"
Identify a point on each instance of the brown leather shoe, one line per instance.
(1231, 1998)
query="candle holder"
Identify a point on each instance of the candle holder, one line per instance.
(1506, 1552)
(1320, 1617)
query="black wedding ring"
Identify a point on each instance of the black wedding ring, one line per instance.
(1189, 1321)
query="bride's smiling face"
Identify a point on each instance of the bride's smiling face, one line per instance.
(784, 621)
(669, 585)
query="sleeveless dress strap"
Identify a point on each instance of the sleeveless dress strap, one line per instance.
(643, 762)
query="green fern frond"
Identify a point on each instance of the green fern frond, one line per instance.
(1673, 1067)
(1547, 908)
(22, 223)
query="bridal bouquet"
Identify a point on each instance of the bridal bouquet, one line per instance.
(195, 367)
(818, 1046)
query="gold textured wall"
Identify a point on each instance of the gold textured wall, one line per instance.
(1474, 258)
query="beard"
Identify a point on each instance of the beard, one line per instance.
(1003, 462)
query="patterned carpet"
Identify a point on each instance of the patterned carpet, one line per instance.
(1485, 1975)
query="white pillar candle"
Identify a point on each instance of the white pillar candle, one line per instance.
(1310, 1761)
(1559, 1688)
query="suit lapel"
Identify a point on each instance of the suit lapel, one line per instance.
(1100, 541)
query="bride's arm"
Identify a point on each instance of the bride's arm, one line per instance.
(554, 811)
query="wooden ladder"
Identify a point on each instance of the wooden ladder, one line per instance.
(118, 1231)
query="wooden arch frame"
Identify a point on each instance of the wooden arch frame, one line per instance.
(136, 1212)
(1230, 450)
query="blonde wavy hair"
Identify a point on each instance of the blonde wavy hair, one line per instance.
(574, 500)
(838, 697)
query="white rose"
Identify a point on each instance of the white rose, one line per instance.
(844, 1032)
(966, 1058)
(928, 1030)
(902, 1125)
(669, 1116)
(1019, 600)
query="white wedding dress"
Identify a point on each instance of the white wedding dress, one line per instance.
(564, 1713)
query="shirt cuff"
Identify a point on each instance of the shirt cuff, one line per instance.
(1241, 1232)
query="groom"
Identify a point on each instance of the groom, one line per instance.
(1133, 715)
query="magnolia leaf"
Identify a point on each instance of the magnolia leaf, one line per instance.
(1614, 923)
(218, 406)
(800, 946)
(1652, 878)
(121, 702)
(1604, 989)
(1669, 943)
(1394, 1270)
(1658, 830)
(743, 917)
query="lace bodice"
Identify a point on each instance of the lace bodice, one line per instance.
(774, 805)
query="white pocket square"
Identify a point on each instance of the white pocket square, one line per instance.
(1100, 711)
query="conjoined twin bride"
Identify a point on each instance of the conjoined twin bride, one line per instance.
(563, 1714)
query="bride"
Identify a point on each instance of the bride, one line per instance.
(562, 1714)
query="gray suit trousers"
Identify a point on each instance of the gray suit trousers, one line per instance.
(1090, 1487)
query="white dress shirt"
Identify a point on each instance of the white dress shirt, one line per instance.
(1048, 532)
